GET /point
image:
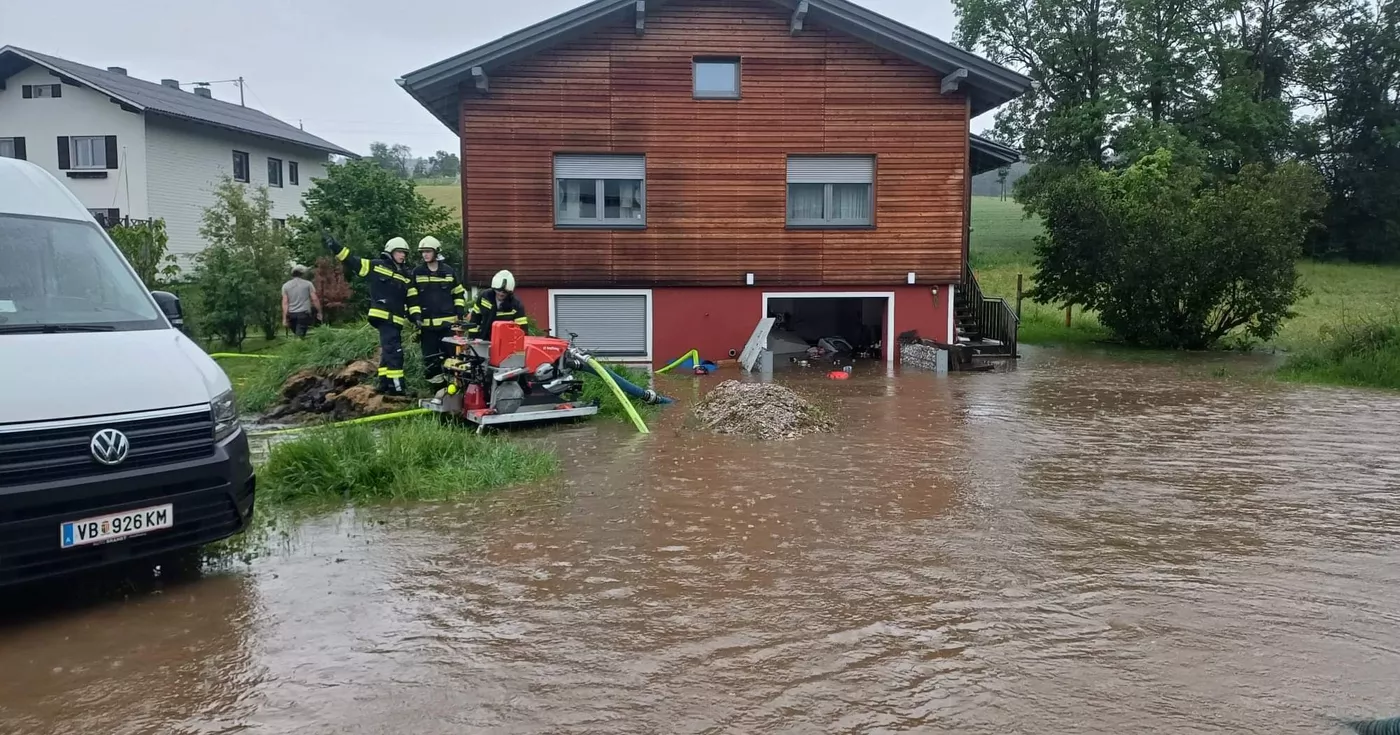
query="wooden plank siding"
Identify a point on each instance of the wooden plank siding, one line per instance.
(716, 187)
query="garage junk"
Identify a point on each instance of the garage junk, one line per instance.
(759, 410)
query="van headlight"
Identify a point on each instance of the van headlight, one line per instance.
(225, 416)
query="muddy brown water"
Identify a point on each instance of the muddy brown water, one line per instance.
(1088, 544)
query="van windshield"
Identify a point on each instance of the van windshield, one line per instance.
(61, 275)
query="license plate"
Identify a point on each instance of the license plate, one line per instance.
(101, 529)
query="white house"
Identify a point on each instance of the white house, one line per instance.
(132, 148)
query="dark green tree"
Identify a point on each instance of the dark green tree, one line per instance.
(365, 206)
(1353, 82)
(1169, 258)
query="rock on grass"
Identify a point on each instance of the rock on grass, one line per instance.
(759, 410)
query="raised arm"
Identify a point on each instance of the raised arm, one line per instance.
(358, 265)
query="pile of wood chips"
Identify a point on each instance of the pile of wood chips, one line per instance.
(759, 410)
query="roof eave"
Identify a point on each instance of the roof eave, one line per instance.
(68, 75)
(329, 147)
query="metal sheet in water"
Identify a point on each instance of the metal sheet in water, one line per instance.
(1084, 545)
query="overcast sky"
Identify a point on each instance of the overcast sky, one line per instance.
(330, 64)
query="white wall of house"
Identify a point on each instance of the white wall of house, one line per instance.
(188, 160)
(79, 112)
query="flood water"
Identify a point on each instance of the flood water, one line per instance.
(1087, 544)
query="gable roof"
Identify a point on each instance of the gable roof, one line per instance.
(150, 97)
(990, 85)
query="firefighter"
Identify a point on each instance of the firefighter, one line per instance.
(441, 301)
(390, 291)
(496, 304)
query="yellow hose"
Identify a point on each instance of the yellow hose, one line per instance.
(692, 354)
(226, 355)
(362, 420)
(626, 402)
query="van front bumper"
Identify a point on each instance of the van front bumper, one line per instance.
(212, 499)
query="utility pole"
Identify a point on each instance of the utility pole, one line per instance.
(240, 93)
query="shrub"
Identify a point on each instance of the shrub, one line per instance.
(418, 458)
(364, 205)
(241, 270)
(1168, 259)
(333, 289)
(146, 247)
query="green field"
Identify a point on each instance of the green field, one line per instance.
(1003, 244)
(449, 196)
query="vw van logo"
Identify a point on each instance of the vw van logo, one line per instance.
(109, 447)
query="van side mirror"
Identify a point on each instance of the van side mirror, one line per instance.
(170, 304)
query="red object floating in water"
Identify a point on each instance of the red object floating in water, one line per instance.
(838, 375)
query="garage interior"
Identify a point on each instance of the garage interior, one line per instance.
(802, 322)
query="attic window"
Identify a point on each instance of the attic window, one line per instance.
(35, 91)
(716, 78)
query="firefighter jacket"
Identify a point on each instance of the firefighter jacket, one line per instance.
(436, 295)
(389, 283)
(485, 313)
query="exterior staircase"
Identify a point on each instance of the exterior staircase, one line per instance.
(984, 328)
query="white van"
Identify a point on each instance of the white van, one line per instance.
(119, 438)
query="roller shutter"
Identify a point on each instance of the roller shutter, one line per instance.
(608, 325)
(831, 170)
(581, 166)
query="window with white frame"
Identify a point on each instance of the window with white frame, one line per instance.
(831, 191)
(89, 151)
(600, 190)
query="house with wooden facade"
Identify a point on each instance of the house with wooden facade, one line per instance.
(662, 174)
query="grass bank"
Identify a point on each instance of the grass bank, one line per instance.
(415, 459)
(419, 459)
(258, 382)
(1003, 245)
(1355, 353)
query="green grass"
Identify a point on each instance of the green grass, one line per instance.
(1353, 353)
(608, 405)
(448, 195)
(1003, 246)
(1003, 243)
(415, 459)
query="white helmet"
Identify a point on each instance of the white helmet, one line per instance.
(430, 243)
(395, 244)
(503, 281)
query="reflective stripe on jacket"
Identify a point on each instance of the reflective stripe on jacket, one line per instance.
(389, 285)
(485, 313)
(440, 298)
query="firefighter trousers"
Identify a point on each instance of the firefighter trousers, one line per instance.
(434, 351)
(390, 351)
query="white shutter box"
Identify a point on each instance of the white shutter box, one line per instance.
(613, 325)
(831, 169)
(599, 166)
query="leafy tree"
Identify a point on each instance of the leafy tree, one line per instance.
(443, 165)
(245, 263)
(397, 158)
(1353, 81)
(365, 206)
(146, 247)
(1170, 259)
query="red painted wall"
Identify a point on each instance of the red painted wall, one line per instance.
(717, 320)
